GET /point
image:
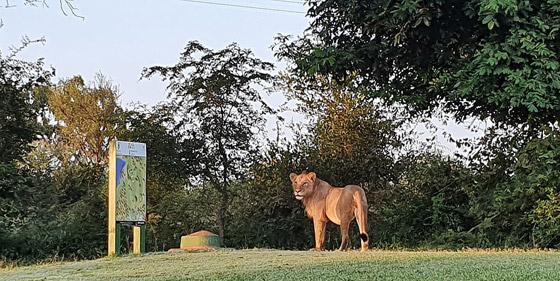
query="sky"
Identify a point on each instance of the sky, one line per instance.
(120, 38)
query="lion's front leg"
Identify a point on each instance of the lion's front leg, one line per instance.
(320, 228)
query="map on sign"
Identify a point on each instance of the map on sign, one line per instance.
(131, 182)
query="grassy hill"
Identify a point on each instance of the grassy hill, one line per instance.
(296, 265)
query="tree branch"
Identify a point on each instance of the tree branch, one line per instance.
(71, 7)
(62, 4)
(25, 41)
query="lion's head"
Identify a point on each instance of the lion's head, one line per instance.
(303, 184)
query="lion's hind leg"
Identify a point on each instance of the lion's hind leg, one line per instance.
(344, 226)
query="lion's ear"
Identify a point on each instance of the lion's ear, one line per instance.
(312, 176)
(293, 177)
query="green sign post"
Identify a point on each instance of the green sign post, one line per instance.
(127, 194)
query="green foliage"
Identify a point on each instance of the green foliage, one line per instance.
(351, 137)
(68, 230)
(84, 116)
(496, 58)
(264, 212)
(214, 91)
(220, 108)
(171, 159)
(180, 213)
(22, 103)
(429, 200)
(14, 186)
(515, 196)
(62, 218)
(51, 207)
(546, 219)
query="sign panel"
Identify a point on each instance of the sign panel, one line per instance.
(130, 182)
(125, 148)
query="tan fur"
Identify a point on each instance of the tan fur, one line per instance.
(324, 203)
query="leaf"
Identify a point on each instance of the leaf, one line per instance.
(488, 19)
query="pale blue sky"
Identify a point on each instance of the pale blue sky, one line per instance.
(119, 38)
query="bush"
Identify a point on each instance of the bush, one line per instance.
(429, 199)
(63, 218)
(180, 213)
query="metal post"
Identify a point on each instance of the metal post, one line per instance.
(143, 239)
(118, 240)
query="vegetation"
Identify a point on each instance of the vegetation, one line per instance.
(364, 71)
(216, 102)
(86, 113)
(496, 58)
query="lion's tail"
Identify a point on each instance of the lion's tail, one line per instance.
(361, 217)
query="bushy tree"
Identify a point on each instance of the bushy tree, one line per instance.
(264, 211)
(84, 114)
(181, 212)
(429, 204)
(15, 185)
(171, 160)
(63, 218)
(22, 105)
(21, 110)
(515, 198)
(219, 107)
(354, 137)
(496, 58)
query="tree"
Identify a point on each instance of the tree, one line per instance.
(429, 202)
(219, 106)
(85, 115)
(277, 218)
(514, 200)
(20, 111)
(22, 105)
(352, 137)
(492, 58)
(171, 159)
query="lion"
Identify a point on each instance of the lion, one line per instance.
(324, 203)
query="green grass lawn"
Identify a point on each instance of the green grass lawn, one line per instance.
(295, 265)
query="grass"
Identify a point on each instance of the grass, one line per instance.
(296, 265)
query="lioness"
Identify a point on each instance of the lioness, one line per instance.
(324, 203)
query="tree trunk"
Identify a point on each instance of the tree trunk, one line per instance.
(222, 216)
(223, 190)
